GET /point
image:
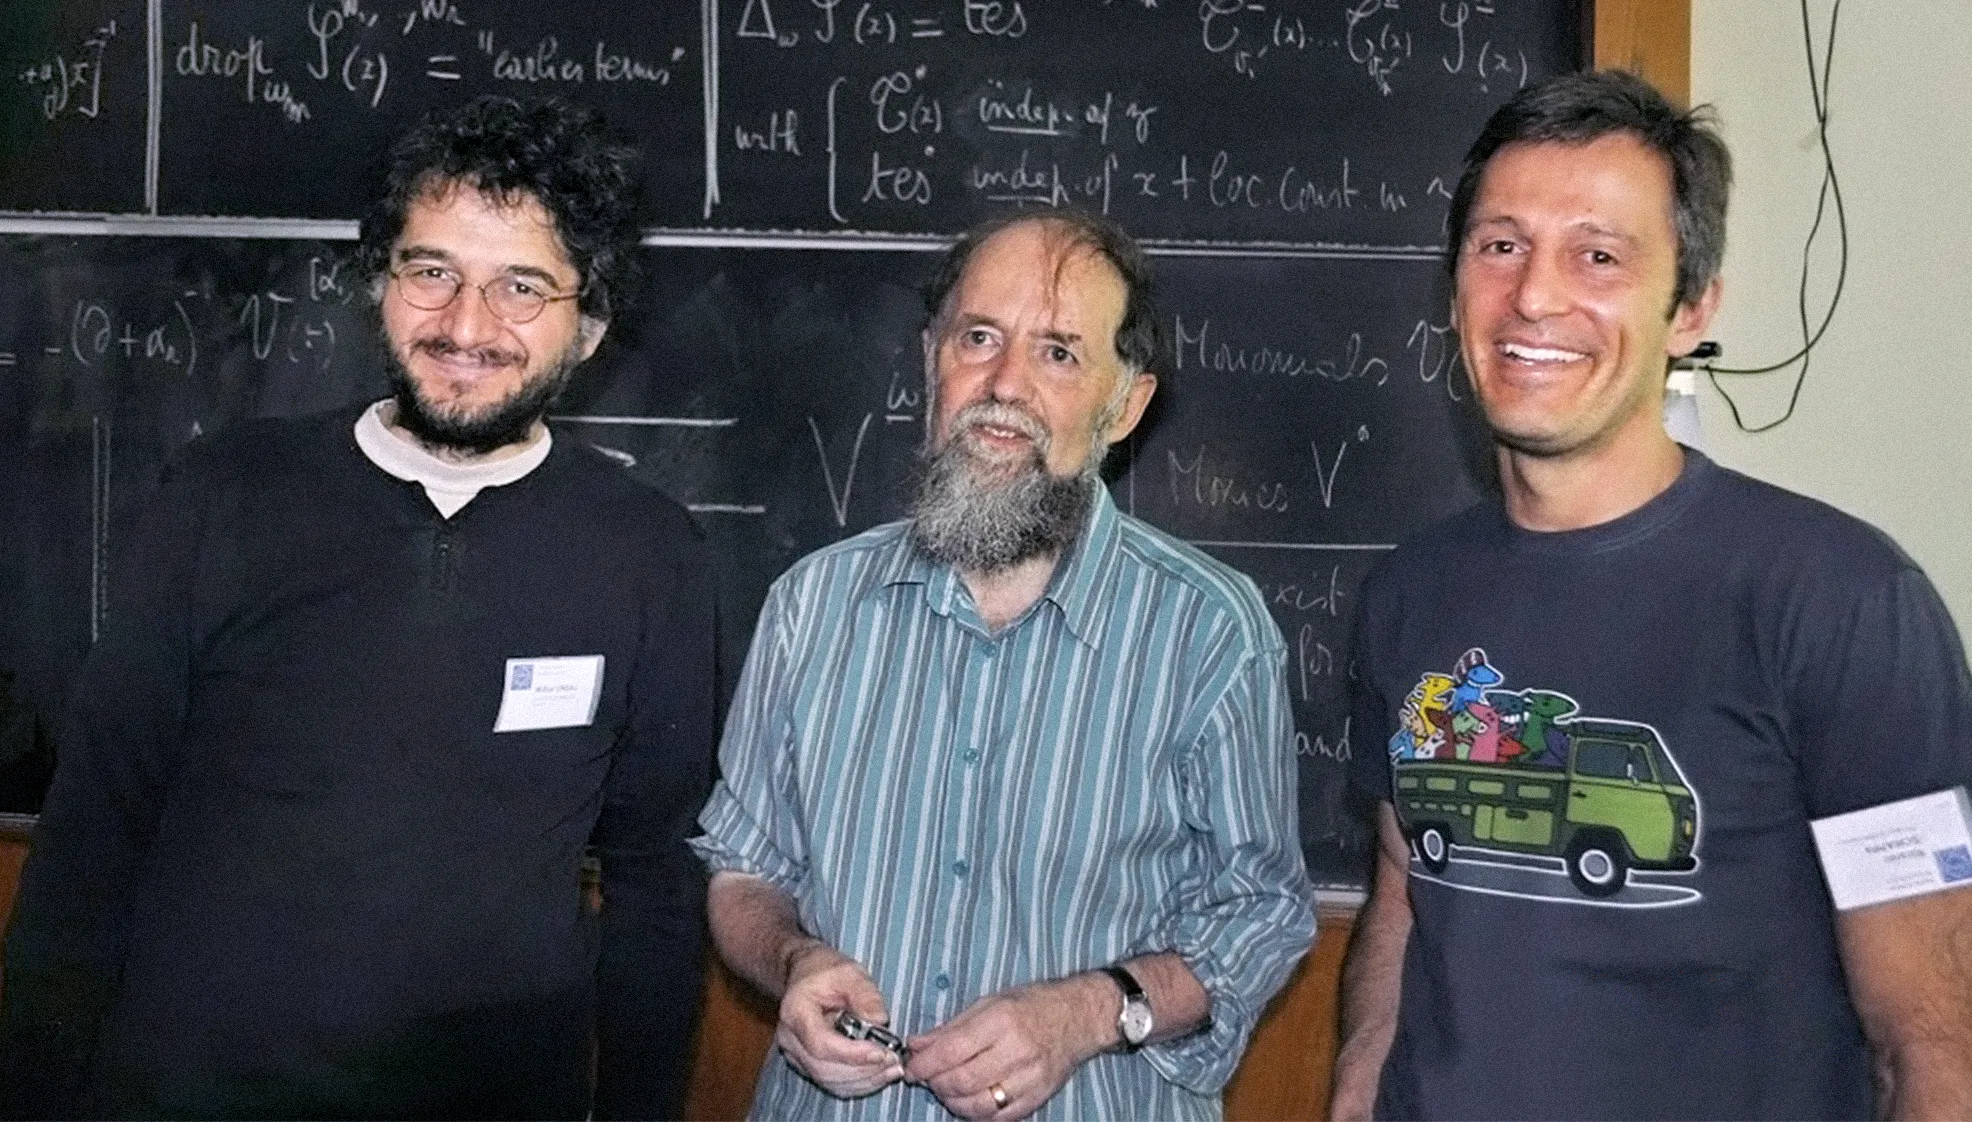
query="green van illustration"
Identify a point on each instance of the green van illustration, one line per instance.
(1617, 802)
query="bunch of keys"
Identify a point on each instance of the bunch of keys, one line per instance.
(856, 1028)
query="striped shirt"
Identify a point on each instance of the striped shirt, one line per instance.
(962, 812)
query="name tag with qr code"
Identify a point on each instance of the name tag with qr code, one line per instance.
(1896, 850)
(550, 693)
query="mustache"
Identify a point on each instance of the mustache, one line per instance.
(1004, 415)
(441, 347)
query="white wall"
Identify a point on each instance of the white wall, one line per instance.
(1884, 426)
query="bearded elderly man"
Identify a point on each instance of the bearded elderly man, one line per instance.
(373, 681)
(1013, 777)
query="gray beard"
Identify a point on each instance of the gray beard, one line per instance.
(966, 517)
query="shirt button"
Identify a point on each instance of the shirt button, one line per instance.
(960, 868)
(970, 755)
(942, 981)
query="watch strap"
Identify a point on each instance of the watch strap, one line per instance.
(1128, 981)
(1133, 994)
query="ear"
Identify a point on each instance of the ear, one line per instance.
(1142, 386)
(589, 332)
(1691, 320)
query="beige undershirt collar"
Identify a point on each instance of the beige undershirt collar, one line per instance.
(449, 485)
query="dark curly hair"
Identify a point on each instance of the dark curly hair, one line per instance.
(559, 154)
(1579, 108)
(1139, 339)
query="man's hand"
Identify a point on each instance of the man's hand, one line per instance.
(1025, 1042)
(822, 982)
(754, 926)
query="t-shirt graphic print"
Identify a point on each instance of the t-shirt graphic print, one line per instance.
(1517, 792)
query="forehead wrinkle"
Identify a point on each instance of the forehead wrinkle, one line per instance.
(1061, 247)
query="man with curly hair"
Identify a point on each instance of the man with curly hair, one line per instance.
(373, 682)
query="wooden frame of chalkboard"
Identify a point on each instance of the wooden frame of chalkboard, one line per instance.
(1287, 173)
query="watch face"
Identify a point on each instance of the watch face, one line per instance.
(1136, 1021)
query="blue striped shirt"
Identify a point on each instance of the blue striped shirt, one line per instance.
(962, 812)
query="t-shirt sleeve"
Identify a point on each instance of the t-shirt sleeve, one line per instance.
(1881, 698)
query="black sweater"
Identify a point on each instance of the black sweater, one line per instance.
(287, 868)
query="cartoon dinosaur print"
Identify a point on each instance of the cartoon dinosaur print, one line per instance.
(1545, 743)
(1474, 676)
(1483, 743)
(1423, 717)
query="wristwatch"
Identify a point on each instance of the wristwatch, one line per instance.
(1134, 1023)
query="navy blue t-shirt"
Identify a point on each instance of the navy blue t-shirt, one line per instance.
(1606, 745)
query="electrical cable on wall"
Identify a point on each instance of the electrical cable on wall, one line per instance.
(1831, 188)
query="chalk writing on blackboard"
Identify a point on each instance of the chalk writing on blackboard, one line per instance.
(72, 83)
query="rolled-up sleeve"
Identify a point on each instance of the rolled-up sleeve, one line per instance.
(1247, 915)
(752, 822)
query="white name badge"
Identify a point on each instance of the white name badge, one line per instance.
(1900, 849)
(550, 693)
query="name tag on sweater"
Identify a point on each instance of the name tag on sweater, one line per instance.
(550, 693)
(1896, 850)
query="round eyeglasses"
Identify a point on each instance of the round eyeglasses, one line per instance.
(515, 299)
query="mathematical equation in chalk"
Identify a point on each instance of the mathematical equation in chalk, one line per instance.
(1322, 121)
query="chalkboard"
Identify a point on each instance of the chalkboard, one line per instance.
(1332, 122)
(769, 376)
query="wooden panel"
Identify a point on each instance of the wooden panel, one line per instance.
(1291, 1059)
(735, 1029)
(13, 853)
(1650, 37)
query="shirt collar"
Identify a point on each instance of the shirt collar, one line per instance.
(1081, 587)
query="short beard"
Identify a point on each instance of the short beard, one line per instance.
(489, 429)
(986, 520)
